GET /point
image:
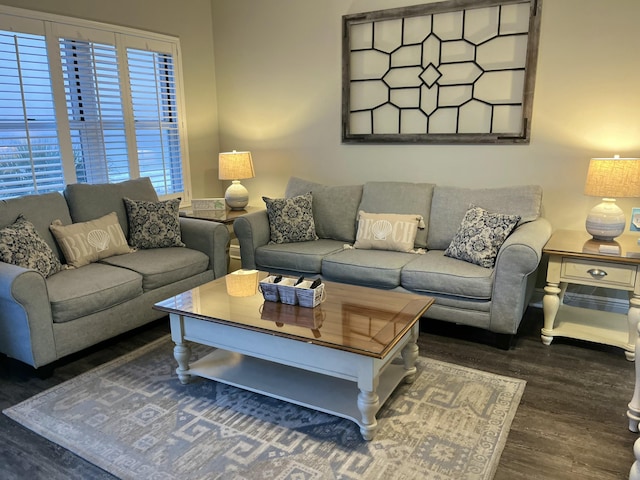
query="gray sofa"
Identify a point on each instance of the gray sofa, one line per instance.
(489, 298)
(44, 319)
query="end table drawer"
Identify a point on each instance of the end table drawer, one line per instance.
(599, 273)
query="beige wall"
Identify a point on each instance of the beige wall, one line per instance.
(278, 67)
(275, 85)
(190, 21)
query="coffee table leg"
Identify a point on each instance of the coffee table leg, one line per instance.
(410, 356)
(368, 404)
(182, 354)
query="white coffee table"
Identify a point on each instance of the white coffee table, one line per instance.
(344, 357)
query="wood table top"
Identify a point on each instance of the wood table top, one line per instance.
(226, 217)
(362, 320)
(579, 244)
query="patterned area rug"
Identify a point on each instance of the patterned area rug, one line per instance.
(134, 419)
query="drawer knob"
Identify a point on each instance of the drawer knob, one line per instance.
(597, 273)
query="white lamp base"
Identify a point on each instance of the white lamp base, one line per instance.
(236, 196)
(606, 220)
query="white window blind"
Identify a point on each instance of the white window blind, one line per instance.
(30, 159)
(153, 92)
(118, 91)
(94, 106)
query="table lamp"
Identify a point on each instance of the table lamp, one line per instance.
(610, 178)
(235, 166)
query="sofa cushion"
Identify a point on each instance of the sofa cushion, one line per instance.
(86, 242)
(21, 245)
(93, 288)
(40, 210)
(154, 224)
(387, 231)
(161, 266)
(370, 268)
(291, 219)
(90, 201)
(450, 204)
(303, 257)
(334, 207)
(399, 197)
(480, 236)
(433, 273)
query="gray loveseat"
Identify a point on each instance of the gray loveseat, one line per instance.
(44, 319)
(492, 298)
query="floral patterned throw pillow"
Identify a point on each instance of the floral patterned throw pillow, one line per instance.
(480, 236)
(22, 245)
(154, 224)
(291, 219)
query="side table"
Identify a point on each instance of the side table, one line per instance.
(576, 258)
(222, 216)
(225, 217)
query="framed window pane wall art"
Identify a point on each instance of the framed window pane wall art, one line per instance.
(458, 71)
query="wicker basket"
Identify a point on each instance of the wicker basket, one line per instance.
(309, 297)
(269, 289)
(287, 291)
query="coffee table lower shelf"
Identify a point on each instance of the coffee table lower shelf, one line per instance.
(320, 392)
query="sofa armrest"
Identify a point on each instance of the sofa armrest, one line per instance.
(252, 231)
(527, 239)
(26, 322)
(515, 272)
(211, 238)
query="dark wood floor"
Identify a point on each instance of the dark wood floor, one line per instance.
(571, 422)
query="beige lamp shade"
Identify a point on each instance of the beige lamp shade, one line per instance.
(242, 283)
(235, 165)
(613, 177)
(610, 178)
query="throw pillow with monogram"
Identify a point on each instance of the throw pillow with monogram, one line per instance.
(86, 242)
(388, 231)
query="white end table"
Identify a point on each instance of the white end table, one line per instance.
(575, 258)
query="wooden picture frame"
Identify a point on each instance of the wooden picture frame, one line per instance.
(458, 71)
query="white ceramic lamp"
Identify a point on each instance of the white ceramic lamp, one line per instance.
(235, 166)
(609, 178)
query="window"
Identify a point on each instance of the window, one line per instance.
(94, 109)
(30, 159)
(88, 103)
(156, 117)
